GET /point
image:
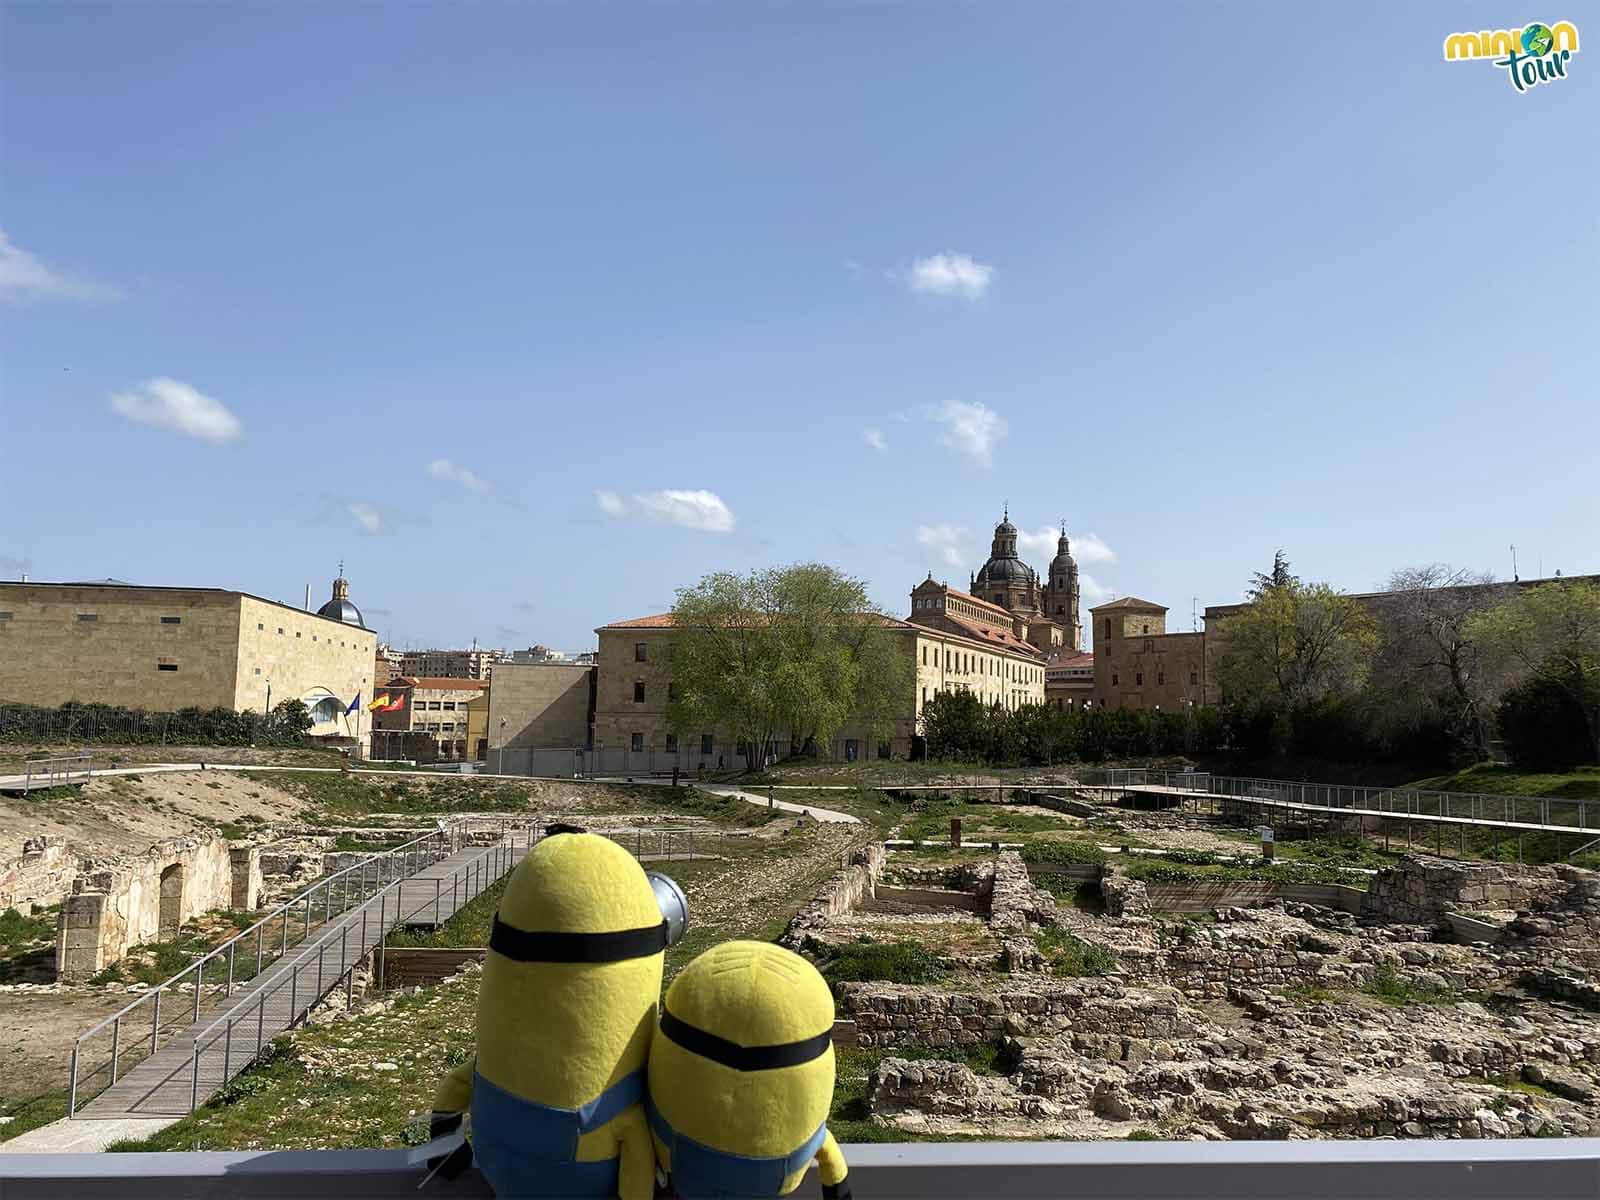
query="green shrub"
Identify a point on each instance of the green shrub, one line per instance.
(1065, 854)
(1390, 986)
(1070, 957)
(1144, 1135)
(889, 962)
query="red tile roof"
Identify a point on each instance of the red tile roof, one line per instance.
(984, 634)
(1130, 602)
(659, 621)
(1067, 660)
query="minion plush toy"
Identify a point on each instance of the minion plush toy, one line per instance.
(566, 1012)
(741, 1076)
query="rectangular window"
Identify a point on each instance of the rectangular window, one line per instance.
(705, 743)
(1114, 680)
(1161, 678)
(638, 692)
(449, 706)
(1138, 679)
(638, 652)
(433, 706)
(258, 670)
(924, 651)
(259, 626)
(88, 618)
(924, 695)
(672, 743)
(166, 666)
(5, 616)
(172, 620)
(1194, 676)
(297, 633)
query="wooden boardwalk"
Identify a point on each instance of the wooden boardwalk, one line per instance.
(231, 1033)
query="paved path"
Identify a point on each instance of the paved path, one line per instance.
(281, 996)
(83, 1137)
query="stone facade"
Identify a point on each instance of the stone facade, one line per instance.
(541, 706)
(434, 707)
(1138, 664)
(115, 907)
(162, 649)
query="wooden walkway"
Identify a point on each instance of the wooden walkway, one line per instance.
(167, 1084)
(1215, 800)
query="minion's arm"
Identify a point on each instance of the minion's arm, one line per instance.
(452, 1097)
(636, 1179)
(833, 1170)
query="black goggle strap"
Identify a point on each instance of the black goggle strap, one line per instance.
(743, 1058)
(522, 945)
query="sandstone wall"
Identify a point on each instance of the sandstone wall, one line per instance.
(147, 899)
(845, 892)
(39, 877)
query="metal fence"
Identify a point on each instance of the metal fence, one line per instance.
(54, 772)
(238, 960)
(1413, 803)
(318, 969)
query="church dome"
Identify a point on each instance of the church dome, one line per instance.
(340, 607)
(1005, 528)
(1005, 570)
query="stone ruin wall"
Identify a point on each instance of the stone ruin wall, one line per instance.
(39, 877)
(1420, 889)
(846, 891)
(113, 908)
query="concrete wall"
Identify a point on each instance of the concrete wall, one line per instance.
(149, 898)
(1208, 897)
(541, 705)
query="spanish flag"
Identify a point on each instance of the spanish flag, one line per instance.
(378, 702)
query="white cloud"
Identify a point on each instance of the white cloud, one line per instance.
(875, 439)
(1087, 548)
(443, 468)
(1092, 590)
(170, 404)
(369, 518)
(947, 540)
(23, 277)
(951, 275)
(688, 508)
(971, 429)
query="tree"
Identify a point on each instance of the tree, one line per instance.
(1296, 643)
(290, 720)
(1550, 633)
(1279, 578)
(793, 652)
(1426, 642)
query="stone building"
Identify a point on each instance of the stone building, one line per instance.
(1138, 664)
(538, 706)
(966, 644)
(435, 707)
(165, 648)
(1069, 680)
(1046, 614)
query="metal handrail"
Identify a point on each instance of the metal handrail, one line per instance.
(503, 852)
(1389, 801)
(448, 831)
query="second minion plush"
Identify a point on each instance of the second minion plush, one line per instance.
(566, 1011)
(741, 1076)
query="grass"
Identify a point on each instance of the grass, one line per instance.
(887, 962)
(18, 932)
(1070, 957)
(1338, 852)
(1581, 783)
(1144, 1135)
(1064, 853)
(979, 822)
(1199, 866)
(1390, 986)
(32, 1113)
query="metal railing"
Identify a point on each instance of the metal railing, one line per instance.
(1413, 803)
(56, 772)
(234, 961)
(315, 972)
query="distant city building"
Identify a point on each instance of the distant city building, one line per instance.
(537, 654)
(165, 648)
(387, 664)
(451, 664)
(436, 707)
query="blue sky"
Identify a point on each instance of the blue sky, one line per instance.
(533, 314)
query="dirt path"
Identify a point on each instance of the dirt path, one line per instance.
(36, 1052)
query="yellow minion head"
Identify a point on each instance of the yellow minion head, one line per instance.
(567, 1003)
(742, 1069)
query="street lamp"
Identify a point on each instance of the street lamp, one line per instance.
(501, 768)
(268, 709)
